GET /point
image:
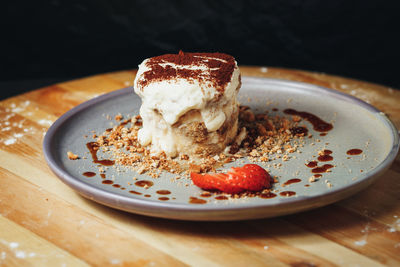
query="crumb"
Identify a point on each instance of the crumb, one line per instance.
(184, 157)
(312, 179)
(141, 170)
(285, 158)
(194, 168)
(296, 118)
(328, 184)
(118, 117)
(72, 156)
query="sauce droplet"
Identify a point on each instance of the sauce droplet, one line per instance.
(299, 130)
(107, 182)
(144, 183)
(163, 192)
(93, 148)
(147, 195)
(221, 198)
(312, 164)
(89, 174)
(205, 194)
(354, 151)
(163, 198)
(105, 162)
(323, 134)
(135, 192)
(124, 123)
(318, 124)
(103, 175)
(195, 200)
(323, 168)
(291, 181)
(325, 157)
(116, 185)
(287, 193)
(267, 195)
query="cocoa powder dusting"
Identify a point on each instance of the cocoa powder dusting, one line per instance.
(219, 68)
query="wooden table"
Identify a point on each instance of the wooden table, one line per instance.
(44, 222)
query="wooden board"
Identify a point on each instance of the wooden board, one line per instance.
(44, 222)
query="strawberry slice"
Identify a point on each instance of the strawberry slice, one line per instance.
(250, 177)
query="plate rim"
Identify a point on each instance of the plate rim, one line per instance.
(129, 204)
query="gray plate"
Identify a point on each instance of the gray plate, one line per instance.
(356, 125)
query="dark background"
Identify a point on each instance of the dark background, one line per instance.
(44, 42)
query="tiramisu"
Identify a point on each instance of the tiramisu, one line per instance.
(189, 104)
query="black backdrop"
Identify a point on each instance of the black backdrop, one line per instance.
(48, 41)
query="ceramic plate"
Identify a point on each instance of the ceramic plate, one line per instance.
(356, 125)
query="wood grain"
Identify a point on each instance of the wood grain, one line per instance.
(44, 222)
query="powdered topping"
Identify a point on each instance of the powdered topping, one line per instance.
(213, 68)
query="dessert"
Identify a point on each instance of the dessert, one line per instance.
(189, 104)
(190, 109)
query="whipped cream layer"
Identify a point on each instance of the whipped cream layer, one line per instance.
(172, 85)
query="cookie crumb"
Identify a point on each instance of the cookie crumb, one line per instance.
(72, 156)
(118, 117)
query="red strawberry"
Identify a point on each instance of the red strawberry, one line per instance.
(250, 177)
